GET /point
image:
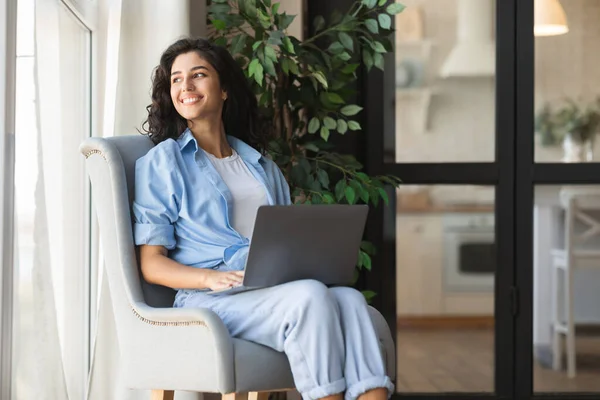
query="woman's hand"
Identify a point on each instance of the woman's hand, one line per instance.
(216, 280)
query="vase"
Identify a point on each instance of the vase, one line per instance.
(577, 151)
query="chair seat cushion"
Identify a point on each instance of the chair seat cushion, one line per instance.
(258, 367)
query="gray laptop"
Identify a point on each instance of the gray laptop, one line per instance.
(290, 243)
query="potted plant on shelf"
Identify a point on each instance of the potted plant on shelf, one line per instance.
(303, 86)
(573, 124)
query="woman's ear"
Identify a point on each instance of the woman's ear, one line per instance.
(224, 95)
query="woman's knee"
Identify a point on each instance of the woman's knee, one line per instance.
(308, 292)
(347, 296)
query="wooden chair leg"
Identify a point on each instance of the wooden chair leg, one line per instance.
(163, 395)
(258, 396)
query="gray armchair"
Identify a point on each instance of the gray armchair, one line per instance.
(164, 348)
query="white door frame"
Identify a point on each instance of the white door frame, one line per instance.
(8, 54)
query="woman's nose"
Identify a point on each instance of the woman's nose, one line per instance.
(187, 86)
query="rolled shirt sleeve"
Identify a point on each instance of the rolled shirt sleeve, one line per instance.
(156, 201)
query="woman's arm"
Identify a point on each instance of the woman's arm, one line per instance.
(159, 269)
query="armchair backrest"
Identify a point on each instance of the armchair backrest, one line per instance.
(110, 163)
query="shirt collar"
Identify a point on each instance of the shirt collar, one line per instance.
(247, 152)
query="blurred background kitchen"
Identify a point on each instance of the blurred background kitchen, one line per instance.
(444, 238)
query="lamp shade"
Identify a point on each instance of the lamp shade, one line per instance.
(550, 18)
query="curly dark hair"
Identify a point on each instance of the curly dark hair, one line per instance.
(240, 111)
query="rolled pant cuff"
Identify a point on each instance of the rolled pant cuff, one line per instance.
(326, 390)
(365, 385)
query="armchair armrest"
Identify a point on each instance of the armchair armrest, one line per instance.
(179, 349)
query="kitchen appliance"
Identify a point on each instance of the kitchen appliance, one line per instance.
(469, 252)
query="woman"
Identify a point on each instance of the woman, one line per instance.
(197, 193)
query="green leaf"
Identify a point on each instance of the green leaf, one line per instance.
(270, 53)
(252, 67)
(256, 45)
(378, 47)
(335, 98)
(335, 48)
(329, 123)
(324, 133)
(368, 295)
(237, 44)
(340, 187)
(222, 8)
(367, 59)
(263, 19)
(381, 2)
(275, 8)
(221, 41)
(258, 72)
(342, 126)
(323, 178)
(346, 40)
(285, 65)
(321, 78)
(269, 66)
(350, 109)
(319, 23)
(367, 262)
(313, 125)
(294, 68)
(311, 146)
(383, 195)
(395, 8)
(350, 68)
(350, 194)
(287, 44)
(218, 24)
(378, 60)
(372, 25)
(305, 165)
(369, 3)
(384, 21)
(368, 247)
(328, 199)
(364, 177)
(344, 56)
(285, 21)
(275, 38)
(353, 126)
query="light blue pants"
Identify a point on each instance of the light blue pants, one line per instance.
(326, 333)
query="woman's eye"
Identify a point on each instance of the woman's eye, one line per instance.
(199, 74)
(176, 80)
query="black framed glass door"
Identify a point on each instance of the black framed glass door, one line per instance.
(442, 118)
(558, 341)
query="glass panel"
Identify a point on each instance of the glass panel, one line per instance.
(566, 69)
(51, 236)
(444, 94)
(554, 271)
(445, 268)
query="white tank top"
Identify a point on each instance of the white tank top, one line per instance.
(247, 193)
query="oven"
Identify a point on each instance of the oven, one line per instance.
(469, 252)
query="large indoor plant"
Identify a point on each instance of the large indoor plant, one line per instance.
(302, 87)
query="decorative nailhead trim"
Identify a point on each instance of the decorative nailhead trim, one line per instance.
(174, 323)
(92, 152)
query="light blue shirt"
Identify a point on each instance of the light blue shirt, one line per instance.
(182, 203)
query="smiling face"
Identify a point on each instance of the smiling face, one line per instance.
(195, 88)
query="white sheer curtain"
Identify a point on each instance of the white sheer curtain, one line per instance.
(51, 205)
(137, 32)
